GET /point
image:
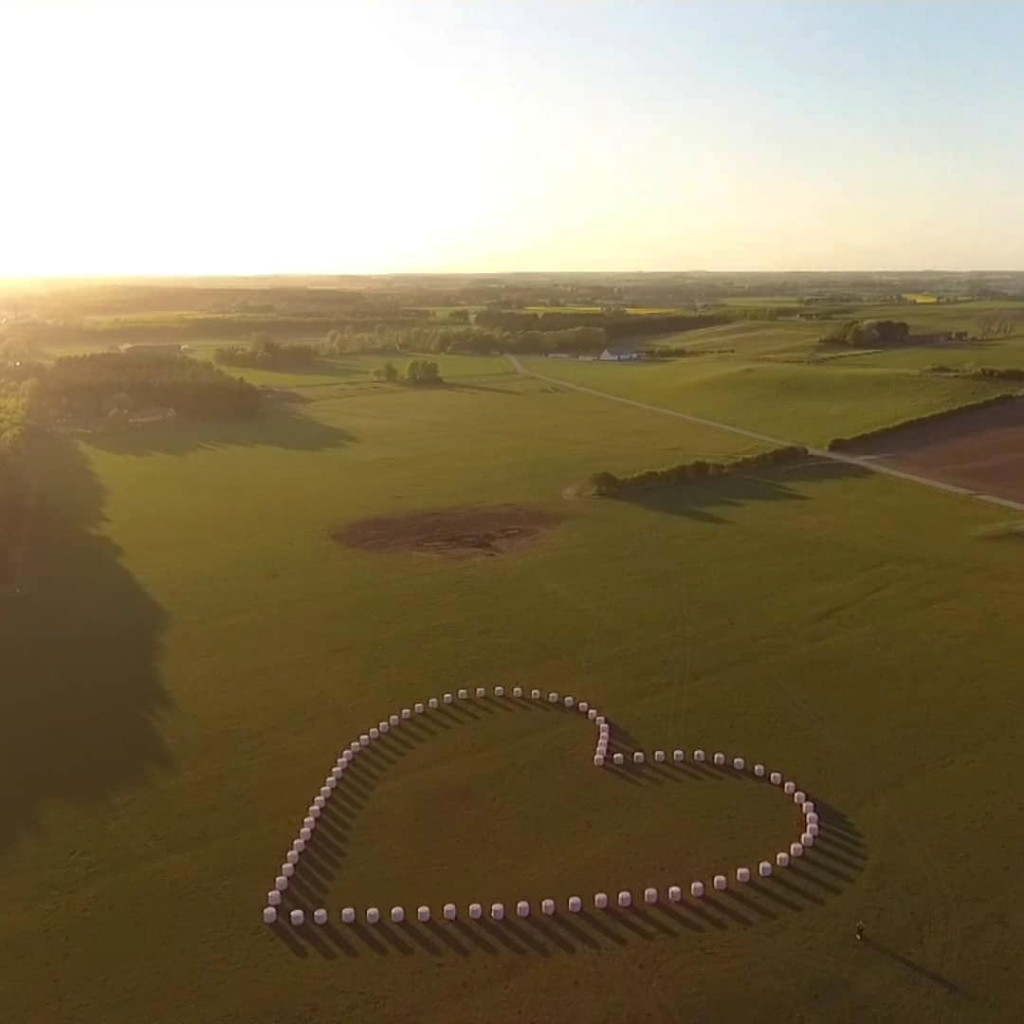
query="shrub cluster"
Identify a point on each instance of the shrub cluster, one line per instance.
(608, 485)
(87, 387)
(868, 333)
(419, 373)
(266, 354)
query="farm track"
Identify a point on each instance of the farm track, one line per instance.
(864, 463)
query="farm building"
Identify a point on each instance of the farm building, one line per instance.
(617, 355)
(152, 350)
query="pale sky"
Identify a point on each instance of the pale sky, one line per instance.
(281, 136)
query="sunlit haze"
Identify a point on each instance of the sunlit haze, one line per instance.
(281, 137)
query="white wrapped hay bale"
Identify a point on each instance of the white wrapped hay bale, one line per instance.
(759, 770)
(720, 882)
(273, 898)
(305, 833)
(813, 829)
(397, 915)
(618, 759)
(575, 904)
(447, 698)
(337, 771)
(719, 758)
(384, 727)
(592, 714)
(372, 915)
(650, 895)
(584, 707)
(297, 917)
(699, 755)
(743, 875)
(522, 909)
(517, 691)
(535, 694)
(463, 695)
(808, 807)
(807, 839)
(812, 819)
(739, 764)
(789, 788)
(638, 757)
(433, 703)
(476, 911)
(547, 907)
(601, 900)
(498, 911)
(599, 760)
(800, 798)
(355, 746)
(625, 898)
(320, 916)
(298, 845)
(675, 894)
(418, 708)
(796, 850)
(348, 915)
(449, 911)
(315, 809)
(499, 691)
(764, 869)
(374, 733)
(697, 890)
(269, 915)
(292, 857)
(481, 692)
(364, 740)
(407, 713)
(659, 756)
(423, 914)
(600, 720)
(678, 756)
(309, 822)
(782, 859)
(569, 702)
(393, 720)
(775, 778)
(347, 755)
(287, 869)
(552, 697)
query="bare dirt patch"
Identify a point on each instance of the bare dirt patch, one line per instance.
(473, 531)
(982, 449)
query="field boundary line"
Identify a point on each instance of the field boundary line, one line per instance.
(864, 463)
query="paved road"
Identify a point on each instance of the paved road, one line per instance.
(869, 464)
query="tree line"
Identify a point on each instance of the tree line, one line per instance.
(868, 333)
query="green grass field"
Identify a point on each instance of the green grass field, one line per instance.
(191, 650)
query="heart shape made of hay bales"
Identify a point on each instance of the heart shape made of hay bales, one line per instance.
(607, 755)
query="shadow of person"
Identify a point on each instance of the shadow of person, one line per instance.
(911, 965)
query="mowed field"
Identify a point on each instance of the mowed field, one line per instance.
(191, 650)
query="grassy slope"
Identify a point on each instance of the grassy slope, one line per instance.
(850, 629)
(806, 403)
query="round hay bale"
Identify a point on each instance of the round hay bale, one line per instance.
(347, 755)
(775, 778)
(463, 695)
(299, 845)
(423, 913)
(764, 869)
(292, 857)
(522, 909)
(808, 807)
(659, 756)
(813, 829)
(600, 720)
(807, 839)
(739, 764)
(337, 771)
(796, 850)
(305, 833)
(287, 869)
(789, 788)
(697, 890)
(476, 911)
(592, 714)
(699, 755)
(719, 758)
(481, 692)
(743, 875)
(297, 917)
(517, 691)
(355, 746)
(569, 702)
(638, 757)
(535, 695)
(678, 756)
(447, 698)
(618, 759)
(418, 708)
(575, 904)
(309, 823)
(499, 691)
(759, 770)
(433, 703)
(364, 740)
(800, 798)
(407, 713)
(374, 733)
(498, 911)
(812, 819)
(394, 720)
(650, 895)
(625, 898)
(599, 760)
(372, 915)
(320, 916)
(782, 859)
(269, 915)
(601, 900)
(547, 907)
(584, 707)
(273, 898)
(450, 912)
(348, 915)
(675, 894)
(315, 809)
(397, 914)
(720, 882)
(384, 727)
(552, 697)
